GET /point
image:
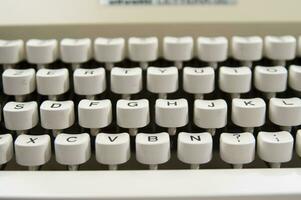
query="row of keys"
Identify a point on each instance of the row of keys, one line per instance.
(160, 80)
(134, 114)
(144, 50)
(151, 148)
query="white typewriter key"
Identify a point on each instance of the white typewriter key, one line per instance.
(132, 114)
(294, 77)
(11, 52)
(270, 80)
(171, 113)
(72, 149)
(19, 82)
(112, 149)
(178, 49)
(237, 148)
(298, 143)
(285, 112)
(33, 150)
(275, 147)
(235, 80)
(75, 51)
(52, 82)
(126, 81)
(152, 149)
(6, 148)
(194, 148)
(247, 49)
(210, 114)
(162, 80)
(41, 52)
(143, 50)
(89, 82)
(198, 81)
(94, 114)
(20, 116)
(57, 115)
(280, 48)
(248, 113)
(109, 50)
(212, 49)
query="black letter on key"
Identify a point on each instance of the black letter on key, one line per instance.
(50, 72)
(171, 103)
(19, 106)
(18, 72)
(199, 71)
(32, 140)
(152, 138)
(132, 104)
(288, 104)
(249, 103)
(112, 140)
(271, 70)
(162, 70)
(211, 105)
(89, 72)
(71, 139)
(93, 103)
(55, 105)
(198, 138)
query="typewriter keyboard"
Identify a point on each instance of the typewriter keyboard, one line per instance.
(141, 103)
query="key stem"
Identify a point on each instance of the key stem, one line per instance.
(194, 166)
(153, 167)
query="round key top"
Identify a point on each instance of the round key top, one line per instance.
(194, 148)
(126, 80)
(152, 149)
(19, 81)
(112, 149)
(11, 51)
(143, 49)
(270, 79)
(215, 112)
(75, 50)
(72, 149)
(57, 114)
(162, 79)
(237, 148)
(247, 48)
(295, 77)
(235, 80)
(52, 81)
(285, 111)
(132, 114)
(41, 51)
(275, 147)
(94, 113)
(178, 49)
(248, 112)
(212, 49)
(6, 148)
(198, 80)
(20, 115)
(280, 47)
(171, 113)
(109, 49)
(32, 150)
(298, 143)
(89, 81)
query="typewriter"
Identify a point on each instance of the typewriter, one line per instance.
(150, 99)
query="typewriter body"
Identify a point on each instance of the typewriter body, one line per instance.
(107, 99)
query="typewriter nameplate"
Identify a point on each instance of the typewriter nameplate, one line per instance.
(166, 2)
